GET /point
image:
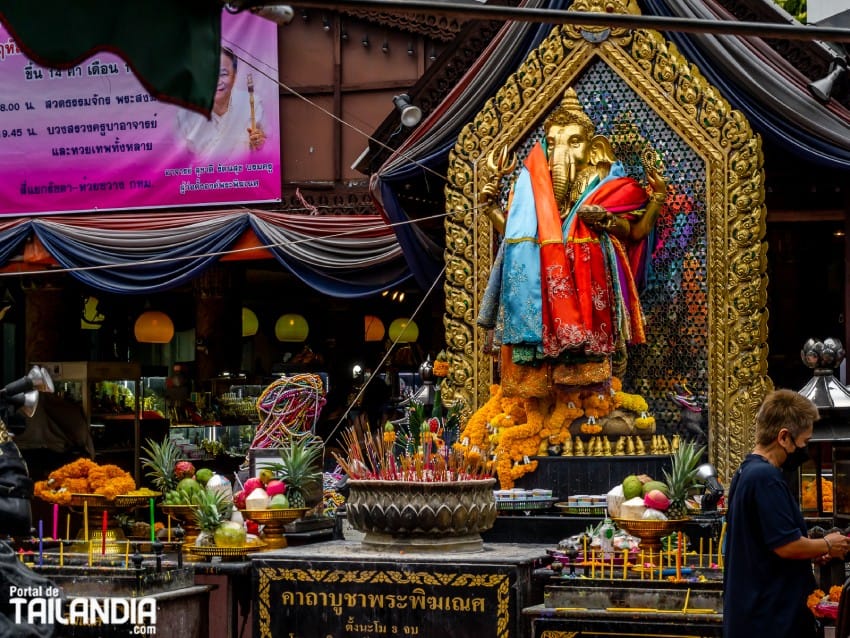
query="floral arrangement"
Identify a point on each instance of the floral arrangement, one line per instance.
(825, 605)
(426, 448)
(84, 477)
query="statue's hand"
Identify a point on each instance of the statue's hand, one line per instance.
(656, 182)
(594, 216)
(488, 194)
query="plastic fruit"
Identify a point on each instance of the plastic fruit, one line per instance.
(266, 476)
(279, 502)
(230, 534)
(251, 484)
(657, 500)
(189, 485)
(257, 500)
(184, 469)
(275, 487)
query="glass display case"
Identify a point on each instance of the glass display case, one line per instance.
(816, 481)
(108, 392)
(841, 484)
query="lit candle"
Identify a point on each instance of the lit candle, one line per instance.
(153, 531)
(700, 551)
(103, 535)
(40, 542)
(86, 520)
(55, 521)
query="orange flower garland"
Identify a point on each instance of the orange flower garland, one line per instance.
(84, 477)
(475, 431)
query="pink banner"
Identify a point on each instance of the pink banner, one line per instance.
(91, 139)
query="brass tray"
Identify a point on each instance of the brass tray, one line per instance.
(134, 500)
(285, 515)
(93, 500)
(180, 512)
(227, 552)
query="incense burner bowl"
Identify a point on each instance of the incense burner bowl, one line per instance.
(422, 515)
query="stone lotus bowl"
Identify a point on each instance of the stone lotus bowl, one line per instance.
(391, 511)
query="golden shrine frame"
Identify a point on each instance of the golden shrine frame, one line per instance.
(736, 251)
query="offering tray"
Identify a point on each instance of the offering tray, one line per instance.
(227, 552)
(273, 522)
(524, 505)
(185, 515)
(650, 532)
(580, 510)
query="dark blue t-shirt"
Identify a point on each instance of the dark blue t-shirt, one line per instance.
(764, 595)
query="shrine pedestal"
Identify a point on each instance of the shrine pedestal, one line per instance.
(342, 589)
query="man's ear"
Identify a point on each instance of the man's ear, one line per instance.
(601, 151)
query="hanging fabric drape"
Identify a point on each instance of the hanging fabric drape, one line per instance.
(343, 256)
(762, 84)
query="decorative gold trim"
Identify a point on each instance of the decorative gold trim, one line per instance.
(736, 255)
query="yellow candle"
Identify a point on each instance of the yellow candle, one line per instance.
(127, 555)
(720, 545)
(86, 520)
(68, 527)
(61, 554)
(90, 550)
(710, 550)
(169, 528)
(687, 598)
(611, 575)
(584, 549)
(669, 552)
(642, 564)
(625, 564)
(593, 564)
(652, 568)
(700, 551)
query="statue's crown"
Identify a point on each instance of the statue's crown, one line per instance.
(570, 111)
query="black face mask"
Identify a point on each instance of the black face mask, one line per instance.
(799, 456)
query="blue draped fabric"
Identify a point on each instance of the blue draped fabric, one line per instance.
(12, 238)
(344, 282)
(168, 268)
(787, 133)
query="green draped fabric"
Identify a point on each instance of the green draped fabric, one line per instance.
(171, 45)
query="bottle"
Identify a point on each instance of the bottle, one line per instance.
(606, 536)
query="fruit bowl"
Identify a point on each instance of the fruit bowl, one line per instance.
(182, 513)
(284, 515)
(650, 532)
(227, 552)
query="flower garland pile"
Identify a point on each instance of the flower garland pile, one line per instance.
(519, 428)
(84, 477)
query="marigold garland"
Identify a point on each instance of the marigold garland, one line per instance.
(84, 477)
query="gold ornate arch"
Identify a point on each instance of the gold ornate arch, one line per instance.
(735, 253)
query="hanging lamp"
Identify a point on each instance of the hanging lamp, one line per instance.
(250, 324)
(373, 328)
(404, 331)
(153, 326)
(291, 328)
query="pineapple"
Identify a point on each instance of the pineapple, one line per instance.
(300, 469)
(682, 477)
(209, 515)
(160, 463)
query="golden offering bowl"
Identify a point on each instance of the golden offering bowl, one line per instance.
(650, 532)
(273, 522)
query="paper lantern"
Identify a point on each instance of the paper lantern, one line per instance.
(404, 331)
(153, 326)
(291, 327)
(250, 325)
(373, 328)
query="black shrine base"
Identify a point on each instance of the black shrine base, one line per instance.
(334, 589)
